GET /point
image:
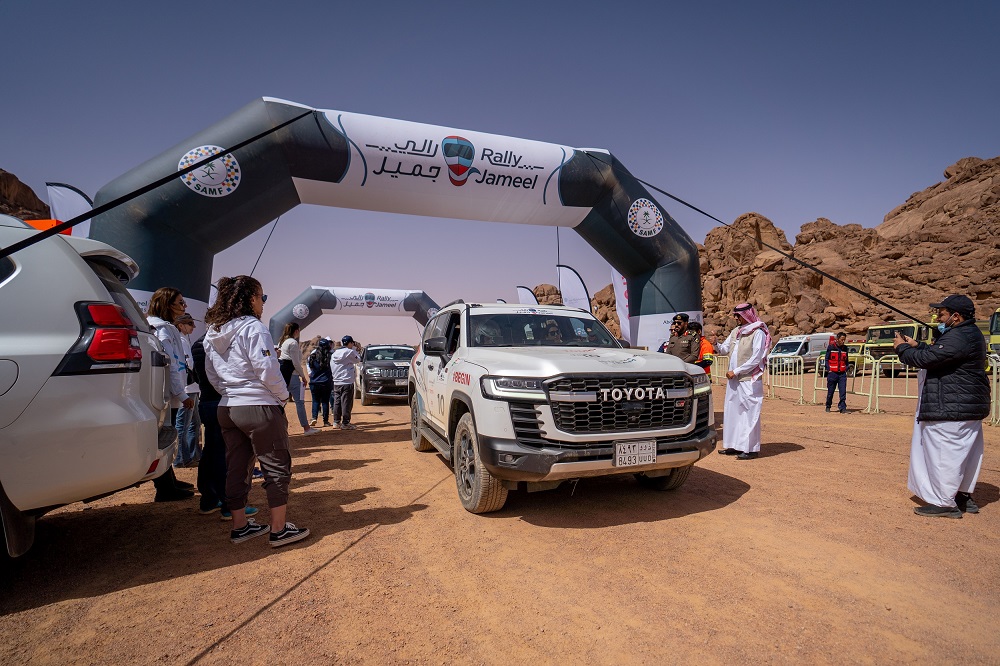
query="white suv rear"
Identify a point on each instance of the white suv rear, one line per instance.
(82, 379)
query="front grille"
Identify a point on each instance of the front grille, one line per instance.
(393, 373)
(625, 415)
(878, 352)
(527, 431)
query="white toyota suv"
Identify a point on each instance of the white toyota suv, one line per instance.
(82, 379)
(529, 397)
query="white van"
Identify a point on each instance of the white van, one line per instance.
(808, 347)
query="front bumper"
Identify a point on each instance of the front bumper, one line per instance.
(385, 388)
(554, 464)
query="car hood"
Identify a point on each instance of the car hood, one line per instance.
(387, 364)
(550, 361)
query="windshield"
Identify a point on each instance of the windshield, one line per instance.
(888, 333)
(853, 349)
(388, 354)
(995, 324)
(530, 329)
(786, 348)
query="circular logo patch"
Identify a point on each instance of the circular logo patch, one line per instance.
(300, 311)
(644, 218)
(214, 179)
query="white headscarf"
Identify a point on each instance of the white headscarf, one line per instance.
(747, 313)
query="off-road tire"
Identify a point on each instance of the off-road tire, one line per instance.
(852, 369)
(672, 481)
(366, 398)
(420, 442)
(478, 490)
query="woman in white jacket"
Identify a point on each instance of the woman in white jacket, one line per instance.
(165, 305)
(290, 360)
(242, 366)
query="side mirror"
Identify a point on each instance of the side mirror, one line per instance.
(435, 346)
(623, 343)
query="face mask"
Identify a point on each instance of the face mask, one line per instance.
(941, 327)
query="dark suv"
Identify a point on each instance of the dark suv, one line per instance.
(384, 372)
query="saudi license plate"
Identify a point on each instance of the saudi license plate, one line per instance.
(638, 452)
(400, 382)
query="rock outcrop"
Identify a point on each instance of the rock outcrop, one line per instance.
(19, 200)
(944, 239)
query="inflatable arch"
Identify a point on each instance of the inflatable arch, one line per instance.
(336, 158)
(314, 302)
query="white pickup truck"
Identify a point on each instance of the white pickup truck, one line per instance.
(530, 397)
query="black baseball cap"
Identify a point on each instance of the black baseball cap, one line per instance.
(957, 303)
(346, 339)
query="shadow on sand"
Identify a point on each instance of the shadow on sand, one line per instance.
(102, 550)
(621, 500)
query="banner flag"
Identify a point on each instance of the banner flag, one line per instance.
(621, 304)
(573, 290)
(66, 202)
(526, 297)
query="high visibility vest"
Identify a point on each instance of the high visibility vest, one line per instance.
(706, 355)
(837, 361)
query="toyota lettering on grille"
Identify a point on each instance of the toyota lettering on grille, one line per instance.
(619, 394)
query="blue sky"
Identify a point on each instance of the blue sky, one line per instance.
(795, 110)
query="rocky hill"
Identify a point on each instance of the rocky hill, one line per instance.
(944, 239)
(19, 200)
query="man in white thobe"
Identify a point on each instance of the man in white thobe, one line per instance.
(946, 452)
(747, 347)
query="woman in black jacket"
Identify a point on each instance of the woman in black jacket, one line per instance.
(947, 448)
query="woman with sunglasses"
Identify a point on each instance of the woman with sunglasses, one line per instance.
(241, 364)
(166, 305)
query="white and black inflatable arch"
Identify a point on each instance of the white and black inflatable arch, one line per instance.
(350, 160)
(315, 302)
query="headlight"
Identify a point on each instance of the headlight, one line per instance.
(513, 388)
(702, 383)
(373, 371)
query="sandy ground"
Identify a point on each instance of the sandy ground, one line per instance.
(810, 554)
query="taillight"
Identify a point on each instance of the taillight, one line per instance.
(108, 342)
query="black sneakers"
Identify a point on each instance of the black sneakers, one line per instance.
(728, 452)
(249, 531)
(965, 503)
(931, 511)
(747, 456)
(290, 534)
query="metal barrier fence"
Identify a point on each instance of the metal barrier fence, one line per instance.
(785, 373)
(875, 379)
(718, 370)
(995, 389)
(894, 380)
(859, 383)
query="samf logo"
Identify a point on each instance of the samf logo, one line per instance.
(215, 179)
(458, 155)
(644, 218)
(370, 299)
(300, 311)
